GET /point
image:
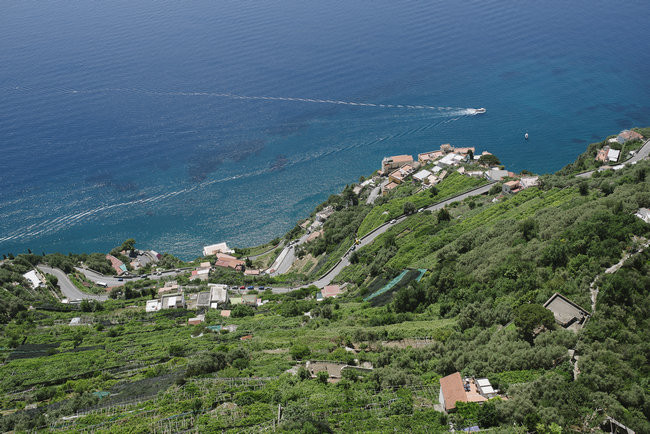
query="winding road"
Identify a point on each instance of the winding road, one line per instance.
(68, 288)
(370, 237)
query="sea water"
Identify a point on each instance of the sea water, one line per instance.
(187, 123)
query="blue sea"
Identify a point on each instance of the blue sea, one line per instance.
(188, 123)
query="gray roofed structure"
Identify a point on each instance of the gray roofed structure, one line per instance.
(567, 314)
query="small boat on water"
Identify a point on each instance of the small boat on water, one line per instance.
(479, 111)
(526, 136)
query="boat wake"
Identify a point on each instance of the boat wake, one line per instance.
(267, 98)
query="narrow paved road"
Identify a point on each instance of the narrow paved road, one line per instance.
(285, 259)
(67, 287)
(115, 280)
(641, 154)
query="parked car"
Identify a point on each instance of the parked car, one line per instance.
(251, 287)
(242, 287)
(120, 279)
(261, 288)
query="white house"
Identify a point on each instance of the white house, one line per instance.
(613, 154)
(34, 279)
(153, 306)
(422, 175)
(213, 249)
(643, 214)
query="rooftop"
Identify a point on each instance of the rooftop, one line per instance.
(567, 314)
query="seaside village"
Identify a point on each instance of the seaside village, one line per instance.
(429, 169)
(432, 167)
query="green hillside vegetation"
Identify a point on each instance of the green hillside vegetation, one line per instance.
(450, 186)
(492, 262)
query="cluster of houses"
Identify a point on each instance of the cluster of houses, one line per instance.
(172, 296)
(139, 259)
(224, 259)
(314, 228)
(399, 168)
(610, 155)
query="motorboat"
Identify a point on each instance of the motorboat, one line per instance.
(479, 111)
(526, 136)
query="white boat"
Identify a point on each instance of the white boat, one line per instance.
(479, 110)
(526, 136)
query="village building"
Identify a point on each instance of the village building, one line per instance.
(451, 160)
(324, 214)
(314, 235)
(153, 306)
(429, 157)
(173, 301)
(496, 174)
(391, 163)
(643, 214)
(228, 261)
(446, 148)
(249, 299)
(358, 188)
(213, 249)
(218, 295)
(117, 265)
(398, 176)
(601, 155)
(511, 187)
(529, 181)
(454, 388)
(204, 265)
(171, 286)
(34, 278)
(627, 135)
(196, 320)
(567, 314)
(203, 300)
(422, 176)
(465, 150)
(201, 274)
(329, 291)
(388, 188)
(612, 155)
(252, 272)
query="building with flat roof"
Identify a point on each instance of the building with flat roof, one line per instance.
(213, 249)
(496, 174)
(173, 301)
(34, 278)
(218, 294)
(395, 162)
(567, 314)
(613, 155)
(643, 214)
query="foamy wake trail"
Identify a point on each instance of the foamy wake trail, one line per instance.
(62, 222)
(267, 98)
